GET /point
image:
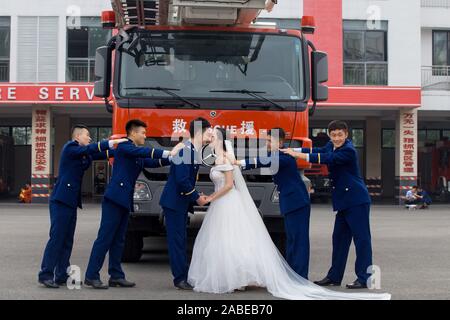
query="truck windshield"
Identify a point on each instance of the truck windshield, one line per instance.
(201, 65)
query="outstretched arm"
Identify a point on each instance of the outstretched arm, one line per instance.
(104, 155)
(328, 147)
(131, 150)
(259, 162)
(156, 163)
(339, 157)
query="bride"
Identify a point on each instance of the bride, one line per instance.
(233, 248)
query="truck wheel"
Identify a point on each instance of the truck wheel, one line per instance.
(134, 244)
(279, 239)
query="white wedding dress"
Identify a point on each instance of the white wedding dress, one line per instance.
(233, 249)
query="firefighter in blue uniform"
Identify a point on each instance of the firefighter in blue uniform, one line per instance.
(75, 159)
(129, 160)
(350, 199)
(178, 197)
(294, 199)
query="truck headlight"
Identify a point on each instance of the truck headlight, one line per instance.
(275, 196)
(142, 192)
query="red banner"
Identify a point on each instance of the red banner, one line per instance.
(47, 93)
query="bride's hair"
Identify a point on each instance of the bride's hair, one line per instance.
(222, 136)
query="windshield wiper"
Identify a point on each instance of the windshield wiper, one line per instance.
(169, 92)
(255, 94)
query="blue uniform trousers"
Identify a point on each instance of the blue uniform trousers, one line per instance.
(352, 223)
(296, 225)
(63, 220)
(176, 223)
(110, 238)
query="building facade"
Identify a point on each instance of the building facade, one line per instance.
(389, 78)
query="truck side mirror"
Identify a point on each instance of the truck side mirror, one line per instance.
(319, 75)
(102, 86)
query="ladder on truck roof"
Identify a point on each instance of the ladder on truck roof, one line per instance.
(162, 12)
(136, 12)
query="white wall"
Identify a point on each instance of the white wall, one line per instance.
(58, 8)
(435, 17)
(404, 44)
(52, 7)
(427, 47)
(435, 100)
(285, 9)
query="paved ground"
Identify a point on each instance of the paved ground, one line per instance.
(411, 247)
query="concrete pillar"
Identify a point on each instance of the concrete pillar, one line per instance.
(373, 156)
(62, 135)
(406, 151)
(41, 157)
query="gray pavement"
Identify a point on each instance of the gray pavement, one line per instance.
(411, 248)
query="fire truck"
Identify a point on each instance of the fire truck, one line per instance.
(171, 61)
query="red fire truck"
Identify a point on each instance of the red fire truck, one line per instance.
(171, 61)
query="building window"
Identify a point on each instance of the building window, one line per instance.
(446, 134)
(4, 131)
(281, 23)
(319, 137)
(21, 136)
(388, 138)
(441, 53)
(317, 132)
(358, 138)
(4, 48)
(431, 136)
(81, 45)
(365, 54)
(100, 133)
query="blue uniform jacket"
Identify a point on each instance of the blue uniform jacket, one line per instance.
(348, 187)
(129, 160)
(292, 189)
(179, 193)
(74, 161)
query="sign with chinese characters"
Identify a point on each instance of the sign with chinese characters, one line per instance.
(41, 144)
(245, 127)
(408, 143)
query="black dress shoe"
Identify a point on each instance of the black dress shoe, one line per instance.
(326, 282)
(96, 284)
(356, 285)
(63, 283)
(49, 284)
(121, 283)
(184, 285)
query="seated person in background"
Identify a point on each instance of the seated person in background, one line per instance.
(25, 194)
(411, 196)
(423, 198)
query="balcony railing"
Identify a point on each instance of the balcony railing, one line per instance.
(436, 4)
(80, 70)
(436, 77)
(365, 73)
(4, 70)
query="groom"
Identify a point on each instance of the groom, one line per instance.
(294, 199)
(179, 195)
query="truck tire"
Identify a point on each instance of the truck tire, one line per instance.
(279, 239)
(134, 244)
